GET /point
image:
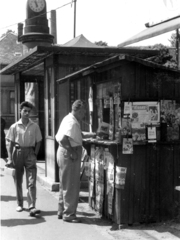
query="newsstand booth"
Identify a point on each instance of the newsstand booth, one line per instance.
(134, 164)
(35, 76)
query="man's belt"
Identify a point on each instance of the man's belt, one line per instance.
(79, 146)
(17, 146)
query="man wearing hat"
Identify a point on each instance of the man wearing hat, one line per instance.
(69, 137)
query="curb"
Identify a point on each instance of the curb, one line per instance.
(52, 186)
(45, 181)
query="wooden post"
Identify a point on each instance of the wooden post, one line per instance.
(90, 100)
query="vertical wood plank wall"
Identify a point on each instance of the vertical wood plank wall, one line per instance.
(149, 194)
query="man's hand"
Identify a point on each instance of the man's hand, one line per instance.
(88, 134)
(94, 134)
(66, 144)
(9, 163)
(74, 155)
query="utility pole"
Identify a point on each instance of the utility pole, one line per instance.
(75, 18)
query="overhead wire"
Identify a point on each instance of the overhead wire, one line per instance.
(40, 14)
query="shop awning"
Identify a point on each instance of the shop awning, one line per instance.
(153, 31)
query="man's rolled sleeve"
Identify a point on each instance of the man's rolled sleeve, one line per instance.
(10, 134)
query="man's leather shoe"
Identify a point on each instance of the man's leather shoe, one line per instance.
(60, 216)
(34, 211)
(75, 220)
(19, 209)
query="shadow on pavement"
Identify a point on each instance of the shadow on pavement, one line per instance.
(86, 214)
(93, 219)
(97, 222)
(48, 213)
(5, 198)
(18, 222)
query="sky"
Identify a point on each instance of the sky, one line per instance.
(111, 21)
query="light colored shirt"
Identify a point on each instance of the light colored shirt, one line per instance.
(25, 136)
(71, 128)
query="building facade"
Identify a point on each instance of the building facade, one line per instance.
(10, 50)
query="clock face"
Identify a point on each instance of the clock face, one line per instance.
(37, 5)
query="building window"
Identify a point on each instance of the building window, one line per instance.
(7, 101)
(17, 54)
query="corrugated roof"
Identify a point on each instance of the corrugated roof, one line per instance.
(153, 31)
(96, 67)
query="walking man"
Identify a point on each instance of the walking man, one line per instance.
(24, 138)
(69, 137)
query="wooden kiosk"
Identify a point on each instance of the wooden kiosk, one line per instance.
(42, 66)
(135, 161)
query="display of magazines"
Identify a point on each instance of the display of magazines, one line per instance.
(110, 200)
(111, 120)
(109, 166)
(99, 165)
(120, 177)
(143, 114)
(127, 146)
(99, 196)
(92, 171)
(170, 114)
(126, 129)
(151, 134)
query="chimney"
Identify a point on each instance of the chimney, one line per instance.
(20, 30)
(53, 25)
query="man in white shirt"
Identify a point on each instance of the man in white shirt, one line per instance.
(69, 137)
(24, 138)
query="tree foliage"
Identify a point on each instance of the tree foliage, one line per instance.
(172, 40)
(101, 43)
(164, 57)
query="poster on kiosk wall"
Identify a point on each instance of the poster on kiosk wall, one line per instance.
(143, 114)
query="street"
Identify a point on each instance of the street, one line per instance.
(20, 226)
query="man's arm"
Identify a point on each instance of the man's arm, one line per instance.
(66, 144)
(37, 147)
(10, 151)
(88, 134)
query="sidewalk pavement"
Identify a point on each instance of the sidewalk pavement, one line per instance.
(20, 226)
